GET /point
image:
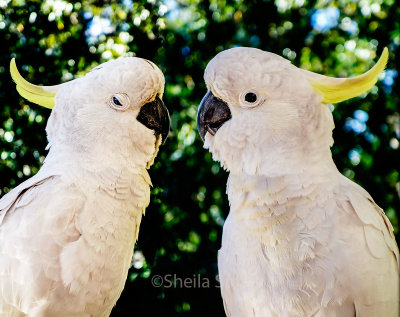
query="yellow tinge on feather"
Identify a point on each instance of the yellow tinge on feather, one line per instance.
(335, 90)
(41, 95)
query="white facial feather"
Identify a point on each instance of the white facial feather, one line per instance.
(85, 120)
(280, 133)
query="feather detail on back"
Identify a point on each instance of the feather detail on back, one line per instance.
(378, 230)
(81, 234)
(13, 198)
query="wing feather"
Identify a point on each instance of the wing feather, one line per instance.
(378, 230)
(378, 291)
(14, 197)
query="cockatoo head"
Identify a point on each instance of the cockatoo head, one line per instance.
(263, 115)
(115, 111)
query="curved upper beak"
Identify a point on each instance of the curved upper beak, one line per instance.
(154, 115)
(213, 113)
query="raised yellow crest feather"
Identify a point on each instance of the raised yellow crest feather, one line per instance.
(335, 90)
(41, 95)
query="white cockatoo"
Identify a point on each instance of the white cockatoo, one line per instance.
(67, 234)
(300, 238)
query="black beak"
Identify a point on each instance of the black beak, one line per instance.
(213, 113)
(154, 115)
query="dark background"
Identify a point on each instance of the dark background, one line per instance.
(55, 41)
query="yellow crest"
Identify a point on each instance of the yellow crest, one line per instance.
(335, 90)
(41, 95)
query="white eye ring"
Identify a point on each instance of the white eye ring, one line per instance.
(250, 99)
(119, 101)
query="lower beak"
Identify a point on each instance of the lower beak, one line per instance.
(154, 115)
(213, 113)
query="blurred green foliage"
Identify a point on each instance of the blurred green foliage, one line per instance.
(56, 40)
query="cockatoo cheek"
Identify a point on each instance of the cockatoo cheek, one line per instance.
(223, 145)
(218, 140)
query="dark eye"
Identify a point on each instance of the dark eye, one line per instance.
(116, 101)
(119, 101)
(250, 97)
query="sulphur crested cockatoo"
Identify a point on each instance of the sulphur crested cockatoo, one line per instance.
(300, 239)
(67, 234)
